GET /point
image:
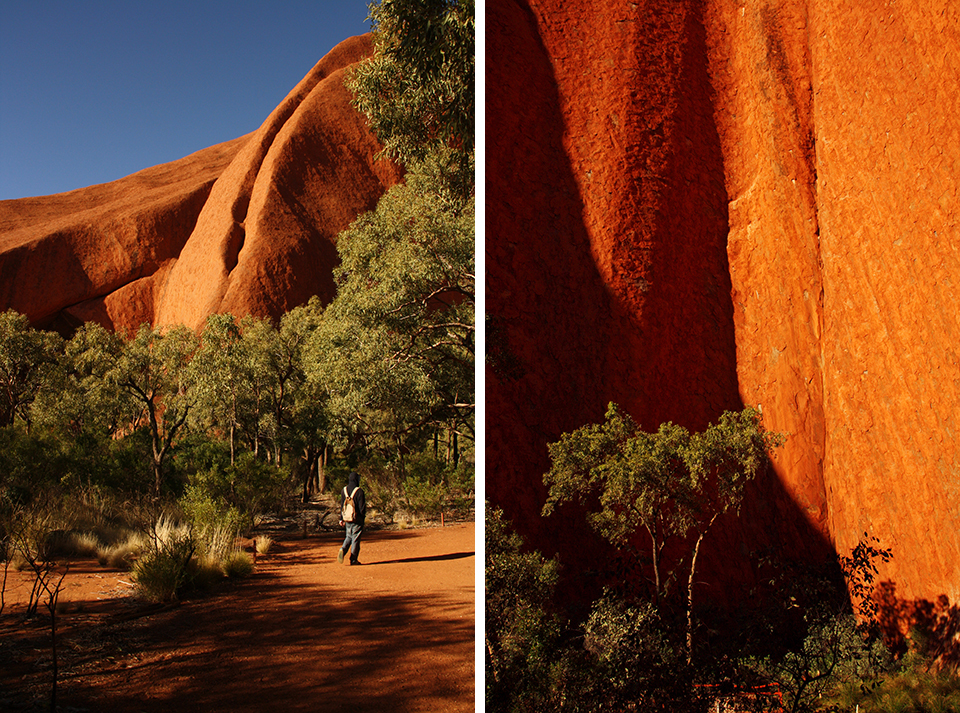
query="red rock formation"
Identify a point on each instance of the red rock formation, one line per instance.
(693, 205)
(265, 240)
(65, 253)
(248, 226)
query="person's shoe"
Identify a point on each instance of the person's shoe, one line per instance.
(354, 562)
(340, 555)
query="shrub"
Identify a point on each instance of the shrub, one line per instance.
(54, 544)
(238, 564)
(633, 654)
(432, 487)
(162, 573)
(522, 635)
(237, 492)
(424, 497)
(461, 486)
(212, 519)
(264, 543)
(381, 484)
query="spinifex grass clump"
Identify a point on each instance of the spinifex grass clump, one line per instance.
(237, 564)
(215, 546)
(123, 553)
(182, 558)
(264, 543)
(163, 571)
(916, 686)
(69, 543)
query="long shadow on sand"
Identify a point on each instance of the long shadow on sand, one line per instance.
(286, 641)
(430, 558)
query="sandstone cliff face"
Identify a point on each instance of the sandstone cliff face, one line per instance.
(696, 205)
(245, 227)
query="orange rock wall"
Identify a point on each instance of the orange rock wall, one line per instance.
(247, 227)
(266, 238)
(62, 251)
(888, 171)
(694, 205)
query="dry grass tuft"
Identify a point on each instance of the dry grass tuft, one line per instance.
(264, 543)
(124, 554)
(238, 564)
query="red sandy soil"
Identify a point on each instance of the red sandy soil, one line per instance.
(302, 633)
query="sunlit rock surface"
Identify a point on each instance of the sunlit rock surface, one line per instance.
(248, 226)
(693, 206)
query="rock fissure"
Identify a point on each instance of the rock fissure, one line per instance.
(787, 192)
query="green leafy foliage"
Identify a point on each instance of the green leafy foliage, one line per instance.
(152, 372)
(812, 638)
(78, 398)
(233, 494)
(522, 635)
(632, 658)
(671, 484)
(395, 348)
(418, 88)
(27, 356)
(221, 377)
(394, 351)
(31, 467)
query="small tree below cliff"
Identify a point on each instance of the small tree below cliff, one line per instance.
(152, 372)
(27, 357)
(672, 484)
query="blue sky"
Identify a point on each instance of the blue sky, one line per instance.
(94, 90)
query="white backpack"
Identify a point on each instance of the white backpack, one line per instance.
(349, 511)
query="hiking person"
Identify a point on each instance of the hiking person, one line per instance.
(353, 511)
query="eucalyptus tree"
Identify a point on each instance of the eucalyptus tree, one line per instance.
(396, 345)
(221, 378)
(79, 399)
(293, 415)
(152, 371)
(671, 484)
(417, 88)
(300, 403)
(27, 358)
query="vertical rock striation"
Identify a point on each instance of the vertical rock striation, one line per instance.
(696, 205)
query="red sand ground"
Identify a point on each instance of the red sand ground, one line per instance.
(303, 633)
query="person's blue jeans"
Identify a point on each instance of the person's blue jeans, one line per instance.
(352, 541)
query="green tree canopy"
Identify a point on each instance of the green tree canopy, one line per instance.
(221, 379)
(396, 346)
(672, 484)
(418, 88)
(78, 398)
(152, 371)
(27, 356)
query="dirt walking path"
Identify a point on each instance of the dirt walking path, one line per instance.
(302, 634)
